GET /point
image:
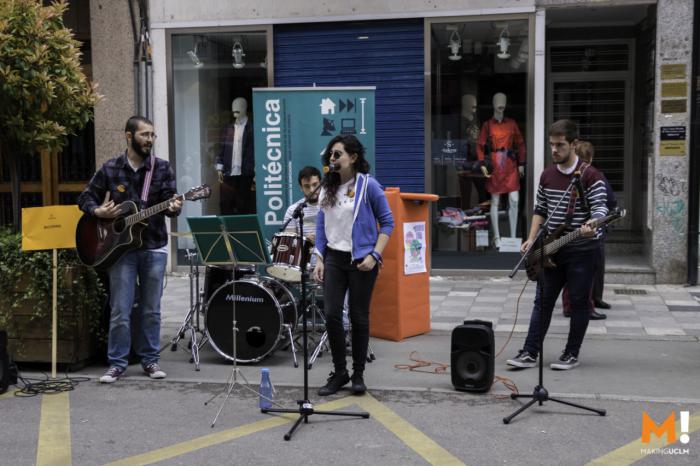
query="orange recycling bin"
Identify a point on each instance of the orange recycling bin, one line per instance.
(400, 305)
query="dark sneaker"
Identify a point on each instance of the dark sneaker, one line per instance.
(523, 359)
(358, 386)
(335, 382)
(112, 375)
(154, 371)
(565, 362)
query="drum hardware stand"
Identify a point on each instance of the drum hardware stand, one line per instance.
(191, 323)
(540, 393)
(305, 408)
(323, 343)
(288, 328)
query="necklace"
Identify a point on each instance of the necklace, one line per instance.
(351, 190)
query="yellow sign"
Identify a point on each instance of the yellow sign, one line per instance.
(672, 148)
(673, 106)
(679, 89)
(675, 71)
(51, 227)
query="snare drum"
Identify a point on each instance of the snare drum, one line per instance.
(288, 252)
(263, 306)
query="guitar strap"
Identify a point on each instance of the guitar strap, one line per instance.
(147, 181)
(578, 192)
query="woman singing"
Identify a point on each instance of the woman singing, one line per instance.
(349, 249)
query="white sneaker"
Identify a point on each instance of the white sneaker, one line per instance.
(154, 371)
(112, 375)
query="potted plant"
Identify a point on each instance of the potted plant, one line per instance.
(26, 304)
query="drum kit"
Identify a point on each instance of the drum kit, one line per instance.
(267, 306)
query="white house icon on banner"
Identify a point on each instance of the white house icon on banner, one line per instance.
(327, 106)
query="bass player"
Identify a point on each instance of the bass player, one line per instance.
(575, 262)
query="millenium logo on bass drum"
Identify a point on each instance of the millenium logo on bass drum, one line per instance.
(244, 299)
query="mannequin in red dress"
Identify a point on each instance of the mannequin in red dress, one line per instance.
(502, 146)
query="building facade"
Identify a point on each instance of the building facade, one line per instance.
(621, 69)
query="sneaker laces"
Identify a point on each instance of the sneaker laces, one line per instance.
(113, 371)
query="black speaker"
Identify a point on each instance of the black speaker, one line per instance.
(4, 363)
(472, 356)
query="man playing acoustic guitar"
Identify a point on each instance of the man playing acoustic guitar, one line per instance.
(135, 176)
(575, 262)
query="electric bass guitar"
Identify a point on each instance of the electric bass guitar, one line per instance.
(102, 241)
(555, 242)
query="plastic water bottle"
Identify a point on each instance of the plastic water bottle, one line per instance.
(265, 389)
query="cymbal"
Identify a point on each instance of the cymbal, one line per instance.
(181, 233)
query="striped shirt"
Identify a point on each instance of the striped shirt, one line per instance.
(553, 184)
(310, 214)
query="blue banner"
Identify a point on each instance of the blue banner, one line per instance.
(292, 128)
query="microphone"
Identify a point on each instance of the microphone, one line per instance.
(331, 167)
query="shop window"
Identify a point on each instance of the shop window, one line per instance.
(477, 67)
(213, 75)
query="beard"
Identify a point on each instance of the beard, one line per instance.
(562, 160)
(142, 150)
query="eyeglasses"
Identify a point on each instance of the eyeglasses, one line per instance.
(336, 154)
(149, 135)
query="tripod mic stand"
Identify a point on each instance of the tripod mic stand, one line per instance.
(306, 409)
(540, 393)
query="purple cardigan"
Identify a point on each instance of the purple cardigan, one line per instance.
(371, 207)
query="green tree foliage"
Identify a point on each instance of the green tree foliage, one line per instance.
(44, 94)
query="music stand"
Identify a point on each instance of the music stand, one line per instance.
(230, 240)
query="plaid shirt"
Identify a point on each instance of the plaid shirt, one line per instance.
(123, 184)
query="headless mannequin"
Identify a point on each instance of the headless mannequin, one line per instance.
(499, 106)
(470, 134)
(234, 164)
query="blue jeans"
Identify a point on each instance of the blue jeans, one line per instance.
(139, 325)
(575, 270)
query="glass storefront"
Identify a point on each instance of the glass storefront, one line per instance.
(478, 139)
(213, 75)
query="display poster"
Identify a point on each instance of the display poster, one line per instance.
(292, 127)
(510, 244)
(414, 247)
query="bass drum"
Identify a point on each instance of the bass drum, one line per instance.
(263, 306)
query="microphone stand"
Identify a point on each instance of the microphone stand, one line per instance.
(540, 393)
(305, 408)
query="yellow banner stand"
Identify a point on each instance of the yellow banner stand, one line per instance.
(51, 227)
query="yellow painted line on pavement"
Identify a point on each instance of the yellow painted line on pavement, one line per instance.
(54, 446)
(412, 437)
(6, 395)
(634, 451)
(205, 441)
(407, 433)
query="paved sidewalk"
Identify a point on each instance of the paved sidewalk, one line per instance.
(637, 310)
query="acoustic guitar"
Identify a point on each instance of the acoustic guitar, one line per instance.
(555, 242)
(102, 241)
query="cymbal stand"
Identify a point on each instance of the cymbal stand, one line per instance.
(305, 408)
(190, 325)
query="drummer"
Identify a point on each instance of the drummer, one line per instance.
(309, 179)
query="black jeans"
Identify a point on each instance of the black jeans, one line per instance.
(575, 270)
(340, 274)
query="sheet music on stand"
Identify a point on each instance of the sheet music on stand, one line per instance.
(230, 240)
